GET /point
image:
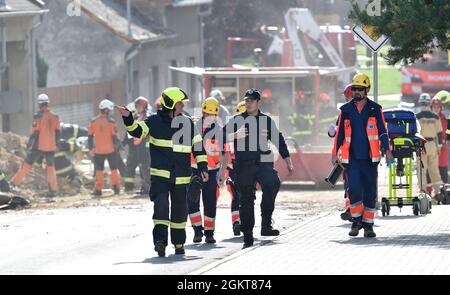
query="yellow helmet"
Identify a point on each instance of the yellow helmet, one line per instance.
(170, 96)
(361, 79)
(211, 106)
(443, 96)
(240, 108)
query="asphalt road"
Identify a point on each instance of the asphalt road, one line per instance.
(117, 239)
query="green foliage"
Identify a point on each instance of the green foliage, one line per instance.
(415, 27)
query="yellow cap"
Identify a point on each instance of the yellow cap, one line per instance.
(361, 79)
(211, 106)
(240, 108)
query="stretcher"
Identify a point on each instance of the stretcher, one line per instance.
(407, 146)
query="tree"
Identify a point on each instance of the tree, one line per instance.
(414, 27)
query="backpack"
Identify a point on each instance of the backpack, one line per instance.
(400, 123)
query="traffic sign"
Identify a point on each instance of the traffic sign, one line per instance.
(368, 36)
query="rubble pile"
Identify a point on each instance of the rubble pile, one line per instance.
(13, 150)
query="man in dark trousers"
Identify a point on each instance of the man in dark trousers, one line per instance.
(250, 133)
(170, 167)
(361, 139)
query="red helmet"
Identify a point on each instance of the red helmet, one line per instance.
(348, 93)
(324, 97)
(299, 96)
(267, 93)
(142, 101)
(436, 101)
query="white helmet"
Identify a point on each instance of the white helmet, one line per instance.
(216, 93)
(43, 98)
(424, 99)
(106, 104)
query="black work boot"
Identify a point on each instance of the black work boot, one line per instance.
(129, 187)
(97, 193)
(179, 249)
(237, 228)
(356, 226)
(368, 231)
(248, 240)
(198, 235)
(266, 227)
(346, 215)
(116, 190)
(209, 237)
(160, 247)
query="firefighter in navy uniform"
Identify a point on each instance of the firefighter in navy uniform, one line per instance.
(42, 143)
(138, 153)
(170, 168)
(4, 185)
(250, 133)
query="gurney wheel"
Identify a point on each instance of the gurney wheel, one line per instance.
(416, 207)
(385, 207)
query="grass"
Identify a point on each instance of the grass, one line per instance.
(388, 80)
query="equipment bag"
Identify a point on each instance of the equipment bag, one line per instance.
(400, 122)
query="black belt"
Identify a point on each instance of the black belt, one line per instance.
(429, 138)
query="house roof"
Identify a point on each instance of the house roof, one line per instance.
(21, 7)
(113, 15)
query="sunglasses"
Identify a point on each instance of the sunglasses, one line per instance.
(358, 88)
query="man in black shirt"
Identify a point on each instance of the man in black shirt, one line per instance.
(250, 133)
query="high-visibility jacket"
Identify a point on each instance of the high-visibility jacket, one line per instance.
(170, 153)
(45, 131)
(211, 145)
(375, 132)
(443, 154)
(135, 142)
(69, 135)
(103, 134)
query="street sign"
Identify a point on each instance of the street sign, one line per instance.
(368, 36)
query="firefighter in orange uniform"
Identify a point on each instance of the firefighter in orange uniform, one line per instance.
(361, 138)
(102, 142)
(210, 190)
(42, 143)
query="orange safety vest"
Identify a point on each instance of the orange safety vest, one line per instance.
(213, 153)
(372, 135)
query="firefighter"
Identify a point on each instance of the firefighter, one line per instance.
(102, 144)
(170, 169)
(4, 185)
(138, 153)
(268, 105)
(437, 108)
(208, 126)
(361, 138)
(224, 114)
(302, 119)
(69, 135)
(431, 130)
(250, 133)
(42, 142)
(346, 215)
